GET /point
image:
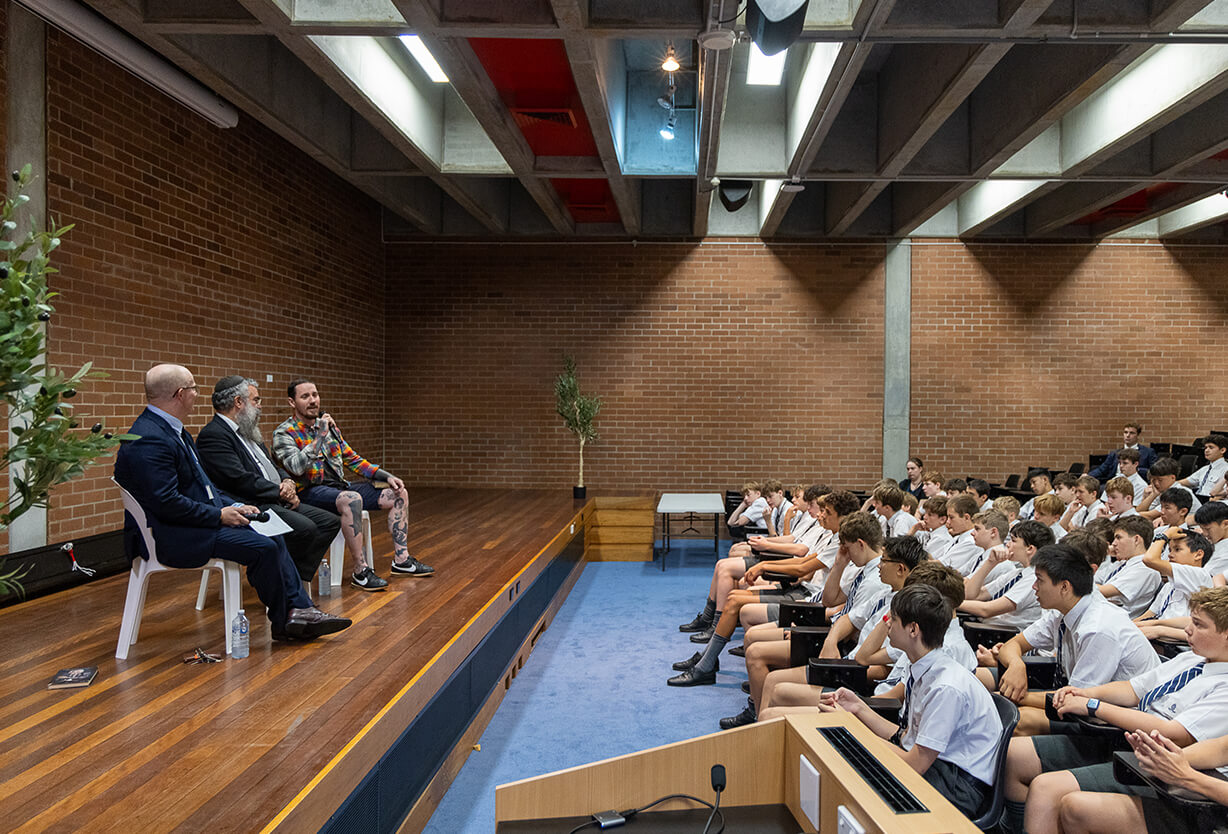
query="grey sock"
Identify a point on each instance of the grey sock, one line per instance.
(1012, 817)
(707, 663)
(709, 609)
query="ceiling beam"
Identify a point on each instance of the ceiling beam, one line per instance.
(715, 67)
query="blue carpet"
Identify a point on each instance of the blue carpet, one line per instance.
(594, 686)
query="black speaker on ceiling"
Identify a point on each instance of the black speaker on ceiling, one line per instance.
(775, 24)
(734, 193)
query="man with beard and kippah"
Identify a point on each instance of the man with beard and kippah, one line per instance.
(233, 454)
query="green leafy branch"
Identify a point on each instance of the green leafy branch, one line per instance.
(46, 444)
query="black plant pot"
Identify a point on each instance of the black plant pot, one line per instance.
(578, 492)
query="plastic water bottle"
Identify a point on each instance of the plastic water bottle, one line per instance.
(238, 636)
(326, 579)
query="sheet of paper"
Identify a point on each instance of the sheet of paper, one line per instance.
(273, 527)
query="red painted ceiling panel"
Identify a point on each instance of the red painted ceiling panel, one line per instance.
(1128, 206)
(589, 201)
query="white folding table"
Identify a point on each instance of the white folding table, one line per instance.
(690, 503)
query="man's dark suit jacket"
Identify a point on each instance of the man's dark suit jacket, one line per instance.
(158, 470)
(1107, 469)
(231, 467)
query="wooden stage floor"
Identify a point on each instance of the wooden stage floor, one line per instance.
(158, 745)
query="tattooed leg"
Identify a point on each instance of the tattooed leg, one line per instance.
(349, 507)
(395, 501)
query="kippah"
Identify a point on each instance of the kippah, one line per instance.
(228, 382)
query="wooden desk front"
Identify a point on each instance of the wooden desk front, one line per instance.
(762, 762)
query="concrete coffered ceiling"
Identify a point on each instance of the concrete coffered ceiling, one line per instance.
(1019, 119)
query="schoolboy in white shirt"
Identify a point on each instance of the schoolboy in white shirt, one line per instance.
(1040, 484)
(1162, 477)
(949, 727)
(774, 517)
(1118, 499)
(1185, 699)
(1127, 462)
(979, 488)
(1094, 640)
(934, 535)
(1169, 613)
(887, 501)
(1085, 506)
(1009, 600)
(1008, 505)
(989, 530)
(1128, 582)
(1048, 511)
(963, 553)
(750, 512)
(1212, 519)
(1213, 448)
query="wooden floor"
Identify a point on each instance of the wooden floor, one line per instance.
(157, 745)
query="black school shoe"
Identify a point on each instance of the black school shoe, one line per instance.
(698, 624)
(692, 678)
(746, 716)
(684, 665)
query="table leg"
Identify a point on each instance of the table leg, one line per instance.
(716, 533)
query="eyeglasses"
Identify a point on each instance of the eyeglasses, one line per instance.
(192, 387)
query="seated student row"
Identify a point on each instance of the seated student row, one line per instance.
(986, 528)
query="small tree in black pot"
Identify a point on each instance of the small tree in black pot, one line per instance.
(578, 412)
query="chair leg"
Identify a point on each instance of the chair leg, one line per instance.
(133, 601)
(204, 590)
(336, 559)
(232, 599)
(366, 538)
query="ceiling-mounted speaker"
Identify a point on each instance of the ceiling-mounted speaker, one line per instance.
(775, 24)
(734, 193)
(717, 39)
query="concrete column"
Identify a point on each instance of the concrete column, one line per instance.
(897, 357)
(26, 132)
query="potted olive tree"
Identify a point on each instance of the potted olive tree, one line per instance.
(45, 449)
(578, 412)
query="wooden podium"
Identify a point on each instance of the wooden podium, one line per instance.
(763, 763)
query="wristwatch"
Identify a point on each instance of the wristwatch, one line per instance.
(1162, 536)
(1093, 704)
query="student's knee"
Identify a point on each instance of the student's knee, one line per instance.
(1048, 789)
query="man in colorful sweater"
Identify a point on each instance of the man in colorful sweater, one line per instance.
(310, 447)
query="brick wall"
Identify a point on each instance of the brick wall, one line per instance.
(681, 341)
(1038, 354)
(225, 250)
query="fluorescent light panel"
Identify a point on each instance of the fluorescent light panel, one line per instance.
(765, 70)
(424, 58)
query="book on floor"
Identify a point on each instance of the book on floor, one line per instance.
(73, 678)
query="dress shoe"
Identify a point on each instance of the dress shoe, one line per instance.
(746, 716)
(683, 665)
(312, 622)
(702, 636)
(746, 687)
(738, 651)
(698, 624)
(692, 678)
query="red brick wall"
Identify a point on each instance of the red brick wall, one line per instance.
(681, 341)
(1039, 354)
(225, 250)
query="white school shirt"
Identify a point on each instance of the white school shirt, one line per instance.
(963, 554)
(950, 711)
(987, 506)
(937, 541)
(1100, 644)
(1206, 477)
(1201, 706)
(954, 643)
(901, 523)
(824, 549)
(1058, 531)
(1195, 578)
(1137, 582)
(1018, 589)
(1173, 600)
(756, 510)
(864, 605)
(1028, 510)
(1129, 511)
(874, 615)
(777, 516)
(1086, 514)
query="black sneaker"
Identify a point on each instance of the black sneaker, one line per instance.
(746, 716)
(698, 624)
(367, 580)
(411, 567)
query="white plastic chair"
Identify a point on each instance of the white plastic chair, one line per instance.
(336, 550)
(138, 581)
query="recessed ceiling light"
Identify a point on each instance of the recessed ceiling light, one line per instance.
(424, 58)
(765, 70)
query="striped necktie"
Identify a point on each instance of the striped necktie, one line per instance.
(1061, 648)
(1113, 572)
(907, 708)
(848, 602)
(1171, 686)
(1014, 581)
(1168, 598)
